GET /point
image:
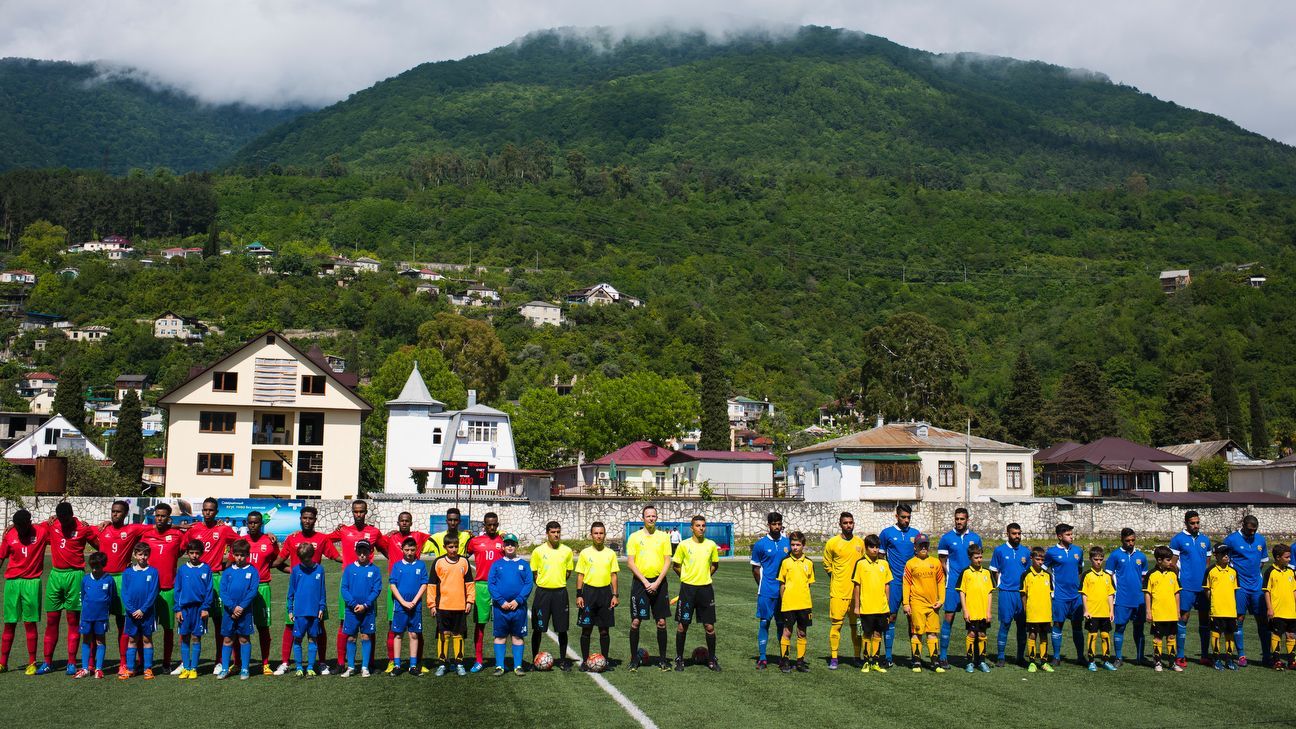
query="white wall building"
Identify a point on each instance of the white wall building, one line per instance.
(53, 436)
(540, 313)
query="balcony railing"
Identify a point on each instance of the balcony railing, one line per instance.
(692, 491)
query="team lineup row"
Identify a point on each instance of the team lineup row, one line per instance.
(159, 575)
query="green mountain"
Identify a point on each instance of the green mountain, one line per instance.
(58, 114)
(840, 100)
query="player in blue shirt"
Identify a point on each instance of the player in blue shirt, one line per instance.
(409, 579)
(238, 590)
(1065, 560)
(1127, 566)
(1249, 553)
(361, 587)
(193, 601)
(140, 587)
(952, 549)
(307, 603)
(1192, 550)
(509, 585)
(98, 593)
(1008, 563)
(767, 556)
(898, 544)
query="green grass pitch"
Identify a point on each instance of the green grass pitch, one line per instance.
(738, 696)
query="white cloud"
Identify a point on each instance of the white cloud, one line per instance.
(1235, 60)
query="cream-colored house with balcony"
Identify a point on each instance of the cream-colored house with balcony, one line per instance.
(267, 420)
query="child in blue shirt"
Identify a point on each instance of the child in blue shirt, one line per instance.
(409, 579)
(509, 585)
(193, 601)
(361, 586)
(98, 593)
(139, 602)
(307, 602)
(238, 589)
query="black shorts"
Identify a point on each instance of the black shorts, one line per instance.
(1165, 628)
(1098, 625)
(551, 609)
(976, 626)
(1279, 626)
(1224, 625)
(452, 621)
(796, 619)
(874, 623)
(696, 602)
(643, 605)
(1039, 628)
(597, 612)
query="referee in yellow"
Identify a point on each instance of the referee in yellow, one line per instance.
(596, 592)
(552, 564)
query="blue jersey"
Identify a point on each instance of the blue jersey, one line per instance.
(898, 546)
(1010, 564)
(193, 586)
(1128, 569)
(139, 589)
(1248, 558)
(408, 577)
(509, 579)
(1065, 563)
(97, 596)
(1194, 559)
(361, 585)
(953, 547)
(238, 587)
(306, 592)
(768, 554)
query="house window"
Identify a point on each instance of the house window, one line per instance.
(482, 431)
(660, 479)
(225, 381)
(312, 384)
(1015, 476)
(310, 429)
(272, 431)
(946, 473)
(212, 422)
(271, 470)
(901, 473)
(436, 436)
(310, 471)
(52, 436)
(215, 463)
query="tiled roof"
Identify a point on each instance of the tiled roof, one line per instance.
(906, 436)
(638, 453)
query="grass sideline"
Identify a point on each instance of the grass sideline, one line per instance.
(739, 695)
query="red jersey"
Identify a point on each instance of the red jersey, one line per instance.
(349, 536)
(323, 547)
(166, 549)
(263, 553)
(215, 539)
(69, 552)
(484, 550)
(117, 543)
(390, 545)
(26, 559)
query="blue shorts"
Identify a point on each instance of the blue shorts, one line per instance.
(1010, 607)
(142, 626)
(895, 596)
(191, 622)
(952, 603)
(1124, 615)
(767, 607)
(1065, 609)
(94, 627)
(513, 622)
(1251, 603)
(364, 622)
(304, 626)
(231, 625)
(1189, 601)
(407, 621)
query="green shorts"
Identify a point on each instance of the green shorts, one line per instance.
(483, 603)
(22, 600)
(116, 607)
(63, 590)
(164, 608)
(261, 606)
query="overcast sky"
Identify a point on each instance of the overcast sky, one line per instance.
(1232, 59)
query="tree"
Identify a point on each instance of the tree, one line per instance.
(1082, 409)
(390, 378)
(211, 247)
(543, 423)
(911, 370)
(41, 246)
(1259, 428)
(1023, 410)
(715, 397)
(640, 406)
(88, 477)
(472, 350)
(69, 400)
(1187, 412)
(128, 446)
(1210, 474)
(1224, 396)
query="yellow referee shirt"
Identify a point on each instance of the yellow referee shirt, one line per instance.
(873, 577)
(1037, 593)
(839, 558)
(1223, 585)
(551, 566)
(695, 559)
(436, 544)
(1098, 588)
(976, 586)
(649, 551)
(1163, 587)
(597, 565)
(796, 574)
(1281, 586)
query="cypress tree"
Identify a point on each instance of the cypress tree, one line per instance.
(69, 401)
(1259, 428)
(1189, 411)
(212, 246)
(128, 446)
(1021, 412)
(715, 397)
(1083, 409)
(1224, 395)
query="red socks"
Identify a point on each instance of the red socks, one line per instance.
(74, 634)
(6, 644)
(391, 646)
(31, 641)
(479, 633)
(285, 647)
(51, 635)
(122, 642)
(341, 641)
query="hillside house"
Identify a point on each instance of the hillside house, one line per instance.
(171, 325)
(365, 264)
(1174, 281)
(600, 294)
(744, 412)
(128, 383)
(91, 334)
(18, 276)
(55, 435)
(1113, 467)
(540, 313)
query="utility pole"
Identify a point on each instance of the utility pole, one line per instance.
(967, 465)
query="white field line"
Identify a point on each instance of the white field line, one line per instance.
(630, 707)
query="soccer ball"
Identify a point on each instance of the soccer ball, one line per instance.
(596, 663)
(542, 661)
(700, 655)
(644, 656)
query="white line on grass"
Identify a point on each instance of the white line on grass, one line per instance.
(630, 707)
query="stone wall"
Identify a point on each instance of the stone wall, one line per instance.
(748, 517)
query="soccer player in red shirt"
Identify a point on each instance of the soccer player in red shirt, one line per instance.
(166, 545)
(348, 536)
(390, 547)
(288, 559)
(264, 550)
(24, 547)
(216, 536)
(68, 539)
(484, 550)
(116, 540)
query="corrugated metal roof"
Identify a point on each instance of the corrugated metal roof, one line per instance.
(1200, 450)
(1109, 452)
(906, 436)
(638, 453)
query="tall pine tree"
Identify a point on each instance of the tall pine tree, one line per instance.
(1188, 414)
(1022, 411)
(1259, 428)
(128, 446)
(212, 245)
(69, 401)
(1082, 409)
(715, 397)
(1224, 395)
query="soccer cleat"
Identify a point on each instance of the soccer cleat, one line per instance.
(148, 674)
(1029, 669)
(415, 671)
(243, 675)
(99, 674)
(123, 675)
(634, 664)
(1219, 665)
(664, 665)
(179, 671)
(679, 664)
(1058, 661)
(1241, 661)
(917, 668)
(1119, 663)
(282, 669)
(784, 666)
(1181, 662)
(1048, 668)
(461, 671)
(1093, 666)
(324, 670)
(1176, 668)
(565, 664)
(391, 667)
(972, 669)
(311, 674)
(266, 670)
(364, 673)
(1232, 666)
(216, 669)
(1280, 665)
(81, 673)
(832, 664)
(476, 667)
(299, 673)
(519, 671)
(3, 668)
(441, 669)
(1109, 666)
(498, 671)
(762, 665)
(71, 669)
(999, 663)
(43, 669)
(1205, 661)
(985, 667)
(801, 667)
(940, 668)
(879, 667)
(347, 673)
(31, 669)
(221, 674)
(1157, 667)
